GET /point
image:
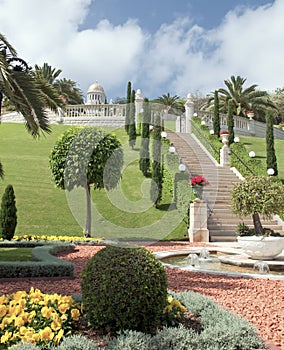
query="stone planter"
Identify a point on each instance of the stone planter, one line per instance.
(259, 248)
(225, 138)
(250, 115)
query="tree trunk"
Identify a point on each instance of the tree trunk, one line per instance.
(89, 214)
(257, 224)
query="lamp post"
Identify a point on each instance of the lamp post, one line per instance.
(270, 172)
(251, 154)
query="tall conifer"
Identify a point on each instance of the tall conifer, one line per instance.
(8, 214)
(230, 122)
(132, 124)
(128, 101)
(271, 161)
(216, 117)
(144, 161)
(156, 184)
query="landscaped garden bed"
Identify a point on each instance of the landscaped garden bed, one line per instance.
(258, 300)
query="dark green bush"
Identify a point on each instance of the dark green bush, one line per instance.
(8, 214)
(124, 288)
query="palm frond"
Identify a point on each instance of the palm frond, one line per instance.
(28, 100)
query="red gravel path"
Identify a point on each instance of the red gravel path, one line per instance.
(261, 301)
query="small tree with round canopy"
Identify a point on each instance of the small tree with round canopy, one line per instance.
(258, 195)
(83, 157)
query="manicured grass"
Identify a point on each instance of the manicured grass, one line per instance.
(44, 209)
(15, 254)
(258, 145)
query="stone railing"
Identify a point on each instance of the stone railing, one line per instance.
(101, 110)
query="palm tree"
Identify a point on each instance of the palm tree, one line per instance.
(243, 99)
(64, 87)
(47, 72)
(23, 90)
(68, 89)
(171, 102)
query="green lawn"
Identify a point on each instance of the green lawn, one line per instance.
(15, 254)
(44, 209)
(258, 145)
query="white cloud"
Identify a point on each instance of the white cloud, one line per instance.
(180, 57)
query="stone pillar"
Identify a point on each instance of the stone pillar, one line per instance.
(251, 127)
(225, 151)
(198, 231)
(189, 110)
(225, 156)
(178, 121)
(138, 104)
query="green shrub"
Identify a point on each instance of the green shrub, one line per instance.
(242, 229)
(210, 142)
(124, 288)
(183, 197)
(8, 214)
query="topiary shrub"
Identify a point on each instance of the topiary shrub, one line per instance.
(124, 288)
(8, 214)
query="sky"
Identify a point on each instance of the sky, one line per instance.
(161, 46)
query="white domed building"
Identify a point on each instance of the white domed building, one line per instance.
(96, 95)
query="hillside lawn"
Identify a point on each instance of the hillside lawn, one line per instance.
(258, 145)
(43, 209)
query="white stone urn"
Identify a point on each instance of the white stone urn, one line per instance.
(225, 137)
(259, 248)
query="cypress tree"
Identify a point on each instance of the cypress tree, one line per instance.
(156, 184)
(216, 117)
(271, 161)
(144, 161)
(132, 125)
(230, 122)
(128, 101)
(8, 215)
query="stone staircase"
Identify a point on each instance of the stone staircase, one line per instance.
(222, 223)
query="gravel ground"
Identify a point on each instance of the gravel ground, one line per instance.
(261, 301)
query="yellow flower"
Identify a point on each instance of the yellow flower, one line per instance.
(75, 314)
(58, 336)
(19, 322)
(31, 316)
(4, 299)
(47, 312)
(56, 324)
(5, 337)
(46, 334)
(63, 308)
(3, 310)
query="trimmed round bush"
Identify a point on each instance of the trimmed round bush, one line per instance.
(124, 288)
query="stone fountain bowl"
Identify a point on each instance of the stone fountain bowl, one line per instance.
(259, 248)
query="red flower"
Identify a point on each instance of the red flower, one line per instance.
(224, 132)
(198, 180)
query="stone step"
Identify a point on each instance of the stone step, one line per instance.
(222, 223)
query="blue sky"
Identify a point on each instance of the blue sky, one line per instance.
(180, 47)
(152, 14)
